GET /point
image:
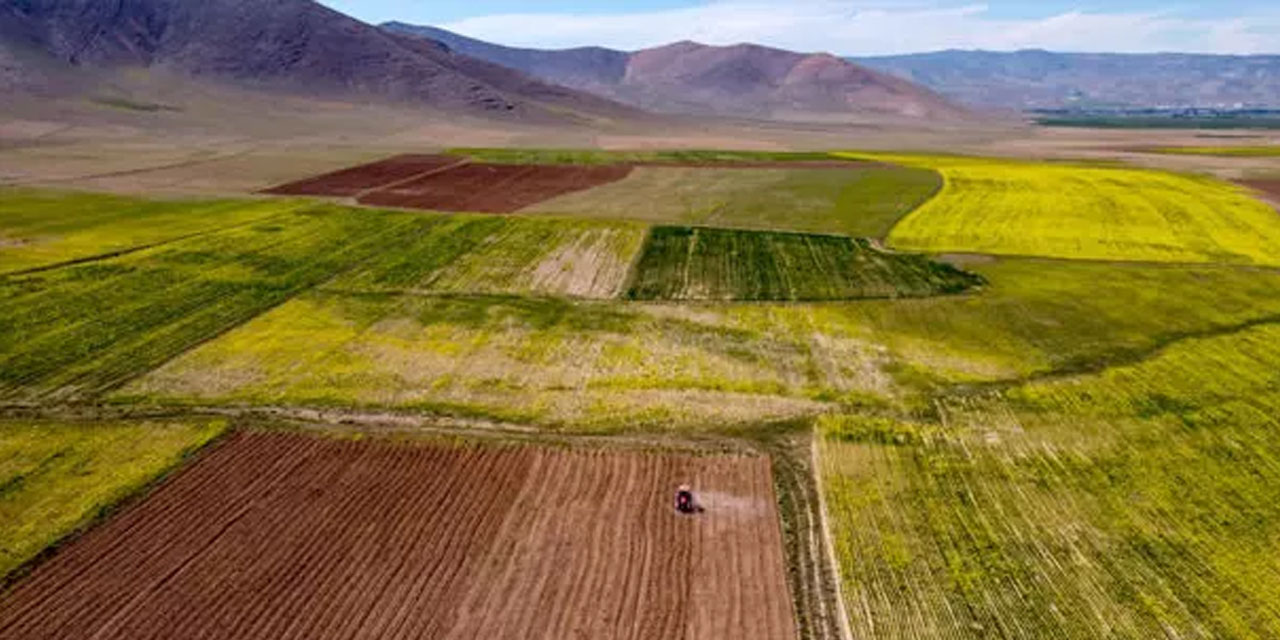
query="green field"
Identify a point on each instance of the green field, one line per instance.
(692, 263)
(610, 365)
(1140, 501)
(498, 255)
(41, 228)
(1087, 212)
(81, 330)
(56, 478)
(861, 201)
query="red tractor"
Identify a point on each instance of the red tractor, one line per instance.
(686, 503)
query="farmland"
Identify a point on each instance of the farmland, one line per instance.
(43, 228)
(57, 477)
(682, 263)
(1136, 501)
(492, 188)
(1060, 429)
(1087, 212)
(603, 365)
(1255, 151)
(859, 200)
(306, 537)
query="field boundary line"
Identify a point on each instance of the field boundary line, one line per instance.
(131, 172)
(1133, 358)
(395, 183)
(137, 249)
(842, 612)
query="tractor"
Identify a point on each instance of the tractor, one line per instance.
(686, 502)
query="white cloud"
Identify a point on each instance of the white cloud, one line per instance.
(872, 28)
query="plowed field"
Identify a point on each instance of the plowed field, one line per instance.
(494, 188)
(284, 536)
(350, 182)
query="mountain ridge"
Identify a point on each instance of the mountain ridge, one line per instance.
(1039, 79)
(292, 45)
(742, 80)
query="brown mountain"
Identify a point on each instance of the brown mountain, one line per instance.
(740, 80)
(292, 45)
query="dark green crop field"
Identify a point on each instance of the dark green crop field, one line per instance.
(690, 263)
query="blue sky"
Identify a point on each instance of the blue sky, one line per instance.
(854, 27)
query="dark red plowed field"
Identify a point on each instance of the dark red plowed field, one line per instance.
(493, 188)
(356, 180)
(285, 536)
(1269, 187)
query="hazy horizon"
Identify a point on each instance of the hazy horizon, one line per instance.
(854, 27)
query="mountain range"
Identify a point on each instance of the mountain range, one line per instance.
(742, 80)
(297, 46)
(1025, 80)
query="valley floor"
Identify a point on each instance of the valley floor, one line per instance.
(1050, 426)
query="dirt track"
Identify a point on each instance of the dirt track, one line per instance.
(494, 188)
(285, 536)
(350, 182)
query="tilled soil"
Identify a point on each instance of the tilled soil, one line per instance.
(350, 182)
(288, 536)
(493, 188)
(1270, 187)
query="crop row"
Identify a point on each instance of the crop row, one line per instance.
(682, 263)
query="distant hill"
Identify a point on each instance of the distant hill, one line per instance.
(291, 45)
(689, 78)
(1046, 80)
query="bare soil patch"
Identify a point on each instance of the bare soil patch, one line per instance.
(1268, 186)
(494, 188)
(351, 182)
(289, 536)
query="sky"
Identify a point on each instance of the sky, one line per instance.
(854, 27)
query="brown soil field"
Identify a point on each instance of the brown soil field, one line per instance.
(494, 188)
(351, 182)
(1269, 187)
(289, 536)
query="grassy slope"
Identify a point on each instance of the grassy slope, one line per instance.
(859, 201)
(1083, 212)
(58, 477)
(39, 228)
(683, 263)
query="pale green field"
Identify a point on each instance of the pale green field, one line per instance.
(40, 228)
(1140, 501)
(862, 201)
(58, 477)
(1087, 212)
